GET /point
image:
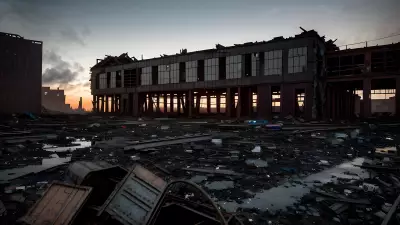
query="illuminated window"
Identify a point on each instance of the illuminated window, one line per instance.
(273, 62)
(297, 60)
(276, 101)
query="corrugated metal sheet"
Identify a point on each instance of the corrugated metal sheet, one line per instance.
(78, 171)
(59, 205)
(132, 202)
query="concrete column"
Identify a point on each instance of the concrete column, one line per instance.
(328, 104)
(112, 103)
(239, 103)
(151, 103)
(97, 103)
(250, 102)
(158, 102)
(189, 103)
(165, 103)
(308, 101)
(107, 106)
(229, 102)
(102, 103)
(178, 98)
(208, 103)
(287, 100)
(367, 97)
(135, 104)
(397, 97)
(171, 104)
(264, 101)
(218, 99)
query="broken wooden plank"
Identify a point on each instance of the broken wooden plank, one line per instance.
(392, 210)
(214, 171)
(167, 141)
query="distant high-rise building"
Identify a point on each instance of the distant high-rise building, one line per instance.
(80, 104)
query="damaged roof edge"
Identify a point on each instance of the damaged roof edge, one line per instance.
(306, 34)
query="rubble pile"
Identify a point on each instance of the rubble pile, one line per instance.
(262, 172)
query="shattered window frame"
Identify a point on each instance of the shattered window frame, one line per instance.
(297, 60)
(273, 62)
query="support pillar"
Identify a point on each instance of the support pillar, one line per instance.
(97, 103)
(367, 97)
(102, 103)
(178, 103)
(397, 97)
(264, 101)
(150, 103)
(229, 102)
(113, 103)
(158, 103)
(239, 103)
(218, 99)
(135, 104)
(189, 103)
(208, 102)
(165, 103)
(107, 105)
(250, 103)
(171, 103)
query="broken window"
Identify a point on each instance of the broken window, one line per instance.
(154, 74)
(118, 79)
(378, 61)
(145, 77)
(254, 64)
(103, 81)
(200, 70)
(182, 72)
(113, 80)
(333, 66)
(222, 68)
(273, 62)
(233, 67)
(247, 65)
(108, 80)
(129, 78)
(191, 71)
(297, 60)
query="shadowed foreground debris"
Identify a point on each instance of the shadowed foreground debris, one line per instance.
(118, 171)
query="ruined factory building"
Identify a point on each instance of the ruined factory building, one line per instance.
(303, 76)
(20, 74)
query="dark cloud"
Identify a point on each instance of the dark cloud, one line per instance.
(59, 71)
(40, 19)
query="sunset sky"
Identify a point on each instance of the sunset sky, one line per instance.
(76, 32)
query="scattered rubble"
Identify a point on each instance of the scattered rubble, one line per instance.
(259, 172)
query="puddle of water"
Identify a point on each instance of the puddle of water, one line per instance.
(220, 185)
(257, 162)
(278, 198)
(77, 144)
(47, 163)
(198, 179)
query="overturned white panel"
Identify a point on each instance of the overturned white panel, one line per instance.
(191, 71)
